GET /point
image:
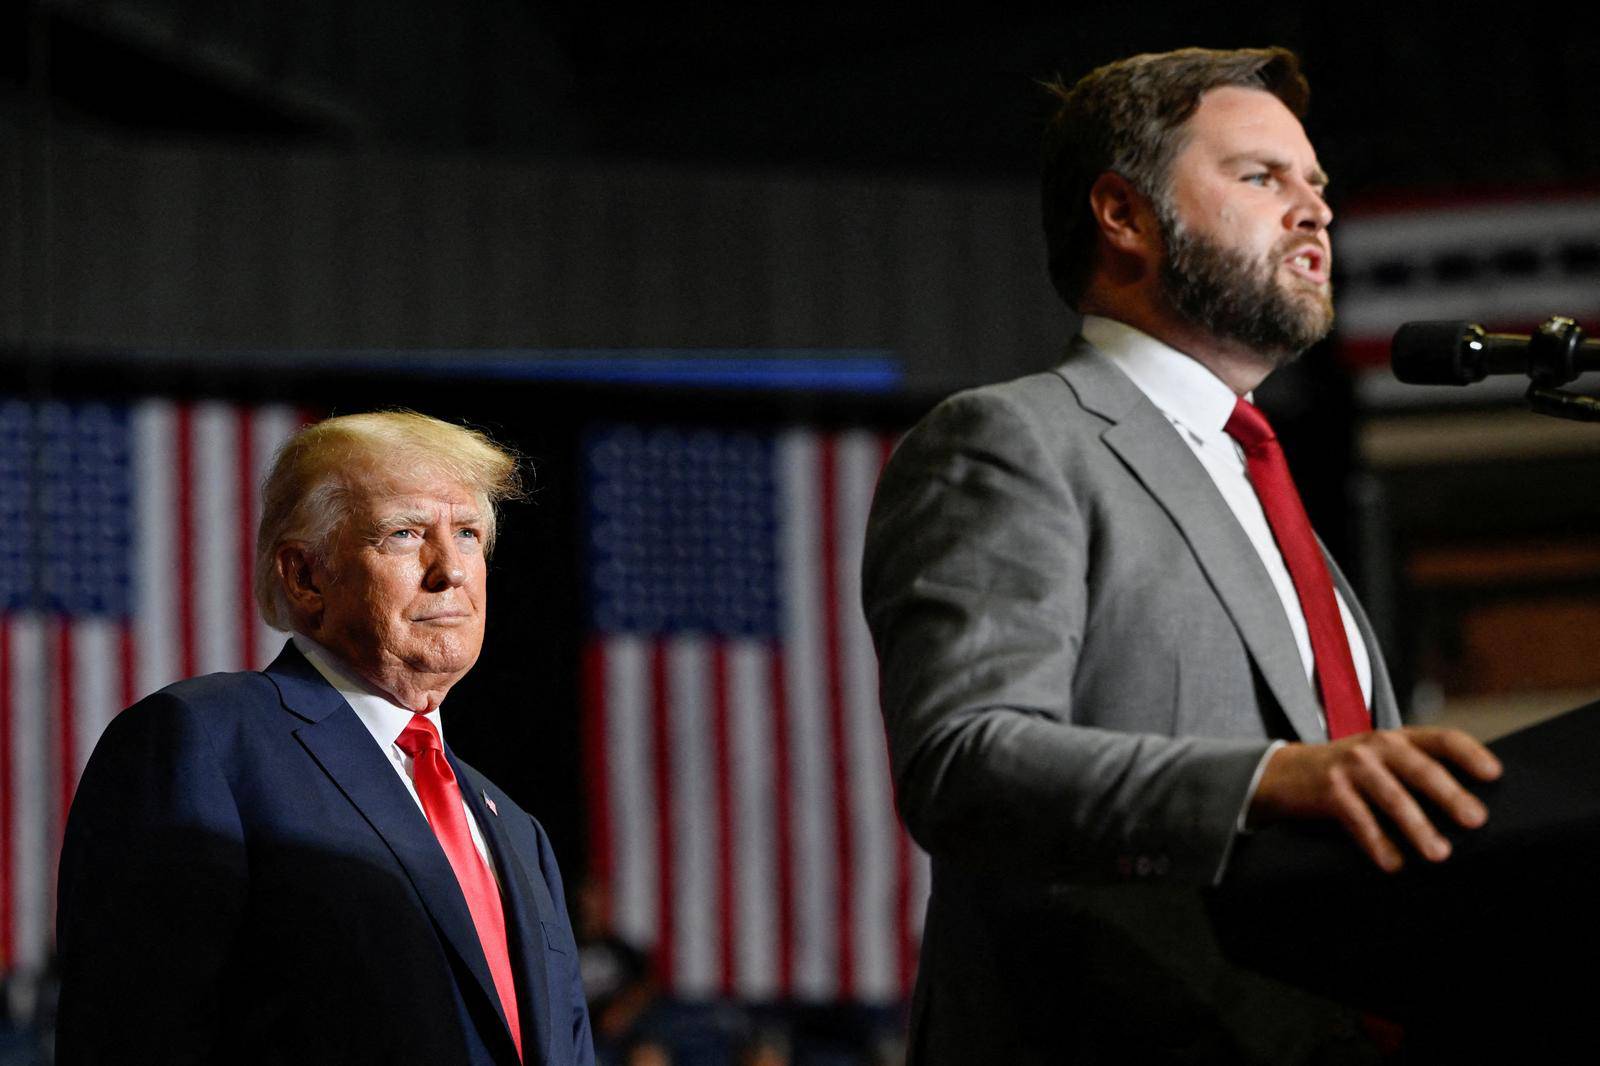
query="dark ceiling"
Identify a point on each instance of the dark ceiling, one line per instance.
(1401, 99)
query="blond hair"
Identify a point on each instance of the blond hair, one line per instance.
(318, 474)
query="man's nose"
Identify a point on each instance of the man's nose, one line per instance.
(1309, 212)
(444, 569)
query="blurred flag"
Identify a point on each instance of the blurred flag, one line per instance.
(741, 803)
(126, 538)
(1506, 262)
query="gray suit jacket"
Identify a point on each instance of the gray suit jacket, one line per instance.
(1083, 662)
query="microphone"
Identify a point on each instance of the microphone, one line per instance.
(1461, 353)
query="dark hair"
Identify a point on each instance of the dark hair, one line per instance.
(1129, 117)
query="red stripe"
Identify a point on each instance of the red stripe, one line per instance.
(247, 526)
(783, 807)
(843, 830)
(723, 786)
(660, 713)
(597, 775)
(1453, 197)
(66, 707)
(128, 659)
(8, 786)
(184, 431)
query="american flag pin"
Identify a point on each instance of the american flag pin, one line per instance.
(487, 802)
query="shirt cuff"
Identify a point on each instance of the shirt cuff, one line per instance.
(1239, 825)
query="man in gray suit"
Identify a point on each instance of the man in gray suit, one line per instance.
(1107, 649)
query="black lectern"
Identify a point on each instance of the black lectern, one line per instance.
(1498, 947)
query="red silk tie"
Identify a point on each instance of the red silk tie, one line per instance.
(441, 802)
(1342, 702)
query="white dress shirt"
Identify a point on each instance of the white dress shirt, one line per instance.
(385, 720)
(1199, 404)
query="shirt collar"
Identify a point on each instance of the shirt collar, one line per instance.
(1180, 386)
(384, 718)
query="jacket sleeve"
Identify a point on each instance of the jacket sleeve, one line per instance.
(151, 889)
(976, 585)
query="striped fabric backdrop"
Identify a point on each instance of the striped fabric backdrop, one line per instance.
(1506, 263)
(126, 534)
(741, 804)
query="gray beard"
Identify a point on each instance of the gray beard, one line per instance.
(1233, 297)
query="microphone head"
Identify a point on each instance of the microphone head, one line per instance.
(1438, 353)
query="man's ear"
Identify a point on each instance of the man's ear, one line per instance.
(1127, 222)
(301, 579)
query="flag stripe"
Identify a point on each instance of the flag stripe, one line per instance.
(8, 791)
(724, 845)
(127, 657)
(31, 796)
(816, 866)
(694, 822)
(245, 515)
(843, 806)
(754, 810)
(66, 726)
(661, 733)
(633, 791)
(188, 536)
(270, 427)
(784, 802)
(215, 503)
(157, 624)
(873, 839)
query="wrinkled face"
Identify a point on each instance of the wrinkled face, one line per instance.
(404, 584)
(1245, 226)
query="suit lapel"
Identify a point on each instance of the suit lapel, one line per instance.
(1146, 442)
(342, 746)
(525, 910)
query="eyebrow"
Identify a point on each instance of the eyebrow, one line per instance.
(402, 519)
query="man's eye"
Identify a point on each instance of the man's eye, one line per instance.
(1263, 179)
(401, 534)
(471, 534)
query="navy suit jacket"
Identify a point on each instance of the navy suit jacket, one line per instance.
(245, 879)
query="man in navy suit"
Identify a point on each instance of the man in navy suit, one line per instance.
(289, 866)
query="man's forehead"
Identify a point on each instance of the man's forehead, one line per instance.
(417, 494)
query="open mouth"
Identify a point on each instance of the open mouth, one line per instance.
(1310, 262)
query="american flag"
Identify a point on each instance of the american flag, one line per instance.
(741, 804)
(126, 536)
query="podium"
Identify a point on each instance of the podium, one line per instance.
(1498, 947)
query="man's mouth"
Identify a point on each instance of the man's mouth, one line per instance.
(443, 616)
(1310, 262)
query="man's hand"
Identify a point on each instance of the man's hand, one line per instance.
(1350, 779)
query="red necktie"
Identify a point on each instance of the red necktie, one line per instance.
(441, 802)
(1342, 702)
